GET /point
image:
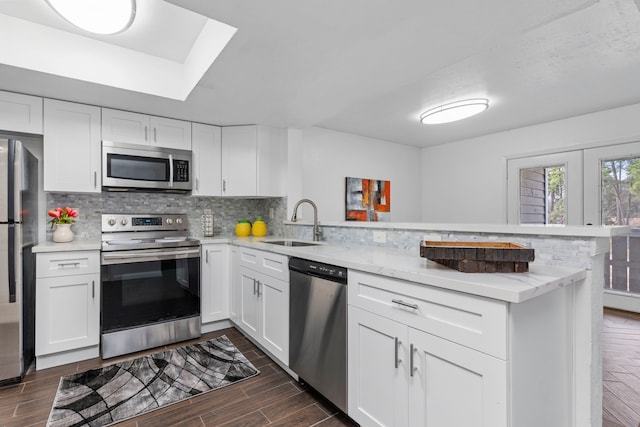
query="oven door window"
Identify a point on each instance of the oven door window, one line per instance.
(137, 168)
(136, 294)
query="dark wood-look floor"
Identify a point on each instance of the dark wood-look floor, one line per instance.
(621, 365)
(272, 398)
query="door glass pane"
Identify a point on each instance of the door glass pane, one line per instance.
(620, 205)
(543, 195)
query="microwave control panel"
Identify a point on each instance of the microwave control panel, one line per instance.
(180, 171)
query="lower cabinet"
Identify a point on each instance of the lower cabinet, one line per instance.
(214, 290)
(264, 311)
(67, 307)
(400, 376)
(427, 356)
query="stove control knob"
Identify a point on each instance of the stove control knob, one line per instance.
(169, 221)
(178, 220)
(112, 222)
(124, 221)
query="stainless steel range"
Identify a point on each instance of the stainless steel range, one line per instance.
(150, 282)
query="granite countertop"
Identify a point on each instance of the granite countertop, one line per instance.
(394, 263)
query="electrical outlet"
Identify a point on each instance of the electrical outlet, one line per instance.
(271, 213)
(379, 236)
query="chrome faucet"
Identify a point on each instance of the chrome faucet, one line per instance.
(316, 228)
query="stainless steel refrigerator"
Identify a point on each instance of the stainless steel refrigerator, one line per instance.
(18, 234)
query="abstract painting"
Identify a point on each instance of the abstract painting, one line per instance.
(368, 200)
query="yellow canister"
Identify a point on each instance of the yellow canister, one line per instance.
(243, 228)
(259, 228)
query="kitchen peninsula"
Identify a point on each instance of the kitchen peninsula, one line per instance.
(574, 247)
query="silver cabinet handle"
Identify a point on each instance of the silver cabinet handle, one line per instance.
(224, 185)
(64, 264)
(146, 136)
(197, 184)
(405, 304)
(397, 343)
(95, 179)
(412, 369)
(259, 292)
(93, 289)
(206, 256)
(155, 135)
(254, 286)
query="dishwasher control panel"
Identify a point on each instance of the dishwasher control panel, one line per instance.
(318, 269)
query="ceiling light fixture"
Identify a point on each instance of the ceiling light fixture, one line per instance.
(454, 111)
(97, 16)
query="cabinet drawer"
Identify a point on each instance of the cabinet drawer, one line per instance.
(269, 263)
(472, 321)
(51, 264)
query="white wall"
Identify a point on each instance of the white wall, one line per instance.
(465, 181)
(328, 157)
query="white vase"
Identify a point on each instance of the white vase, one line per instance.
(63, 233)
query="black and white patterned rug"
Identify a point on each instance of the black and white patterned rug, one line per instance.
(103, 396)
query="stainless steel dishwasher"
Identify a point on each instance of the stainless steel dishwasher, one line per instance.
(318, 327)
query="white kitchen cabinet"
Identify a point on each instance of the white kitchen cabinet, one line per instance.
(215, 282)
(264, 300)
(72, 152)
(253, 161)
(425, 356)
(207, 152)
(20, 113)
(136, 128)
(67, 307)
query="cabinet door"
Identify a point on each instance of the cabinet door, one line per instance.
(71, 147)
(170, 133)
(20, 113)
(455, 385)
(271, 161)
(249, 303)
(215, 283)
(239, 167)
(274, 323)
(67, 313)
(207, 159)
(236, 288)
(125, 126)
(378, 370)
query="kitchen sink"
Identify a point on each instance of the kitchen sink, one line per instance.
(292, 243)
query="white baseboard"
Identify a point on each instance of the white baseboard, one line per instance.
(621, 300)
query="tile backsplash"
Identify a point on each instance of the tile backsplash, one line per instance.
(226, 211)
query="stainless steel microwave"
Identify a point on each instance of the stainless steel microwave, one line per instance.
(127, 167)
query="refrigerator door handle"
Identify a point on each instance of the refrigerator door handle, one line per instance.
(11, 242)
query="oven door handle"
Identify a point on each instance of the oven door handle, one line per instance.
(127, 257)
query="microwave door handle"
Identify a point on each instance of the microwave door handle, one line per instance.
(170, 170)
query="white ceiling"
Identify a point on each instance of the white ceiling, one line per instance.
(371, 67)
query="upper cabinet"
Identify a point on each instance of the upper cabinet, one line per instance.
(71, 147)
(207, 151)
(136, 128)
(253, 161)
(20, 113)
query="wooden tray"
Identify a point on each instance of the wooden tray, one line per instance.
(479, 257)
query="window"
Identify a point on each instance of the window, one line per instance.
(545, 189)
(542, 195)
